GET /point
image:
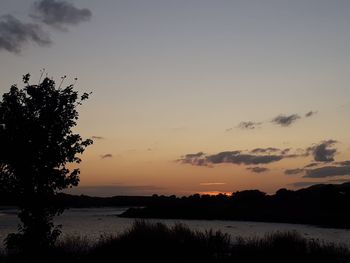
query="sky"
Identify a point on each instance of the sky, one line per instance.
(194, 96)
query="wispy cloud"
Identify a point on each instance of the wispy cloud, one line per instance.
(343, 163)
(285, 120)
(310, 113)
(60, 14)
(98, 137)
(107, 155)
(248, 125)
(294, 171)
(258, 169)
(268, 150)
(15, 34)
(311, 165)
(328, 171)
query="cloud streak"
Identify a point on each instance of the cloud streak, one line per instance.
(285, 120)
(108, 155)
(60, 14)
(248, 125)
(255, 157)
(338, 169)
(97, 137)
(328, 171)
(294, 171)
(310, 114)
(258, 169)
(15, 34)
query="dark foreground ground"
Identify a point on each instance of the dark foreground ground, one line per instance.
(146, 242)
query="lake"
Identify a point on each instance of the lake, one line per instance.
(94, 222)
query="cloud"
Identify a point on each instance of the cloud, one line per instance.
(198, 159)
(236, 157)
(311, 165)
(15, 34)
(108, 155)
(265, 150)
(98, 137)
(258, 169)
(270, 150)
(323, 152)
(343, 163)
(248, 125)
(310, 113)
(254, 157)
(284, 120)
(294, 171)
(328, 171)
(60, 14)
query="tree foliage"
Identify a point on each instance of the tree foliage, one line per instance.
(36, 144)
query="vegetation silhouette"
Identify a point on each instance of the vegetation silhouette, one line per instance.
(156, 242)
(37, 142)
(325, 205)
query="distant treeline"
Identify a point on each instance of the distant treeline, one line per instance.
(327, 205)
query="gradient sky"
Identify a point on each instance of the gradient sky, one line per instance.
(173, 78)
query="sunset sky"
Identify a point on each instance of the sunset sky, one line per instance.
(194, 96)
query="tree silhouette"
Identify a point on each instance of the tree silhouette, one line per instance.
(36, 144)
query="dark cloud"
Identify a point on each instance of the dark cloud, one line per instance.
(310, 113)
(97, 137)
(198, 159)
(265, 150)
(236, 157)
(284, 120)
(294, 171)
(258, 169)
(328, 171)
(343, 163)
(311, 165)
(195, 155)
(15, 34)
(323, 152)
(108, 155)
(253, 157)
(59, 14)
(248, 125)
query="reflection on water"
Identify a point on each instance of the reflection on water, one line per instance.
(94, 222)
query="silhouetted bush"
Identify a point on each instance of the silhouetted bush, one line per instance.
(37, 142)
(156, 242)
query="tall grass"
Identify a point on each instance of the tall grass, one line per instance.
(156, 242)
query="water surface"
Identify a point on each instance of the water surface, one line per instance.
(94, 222)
